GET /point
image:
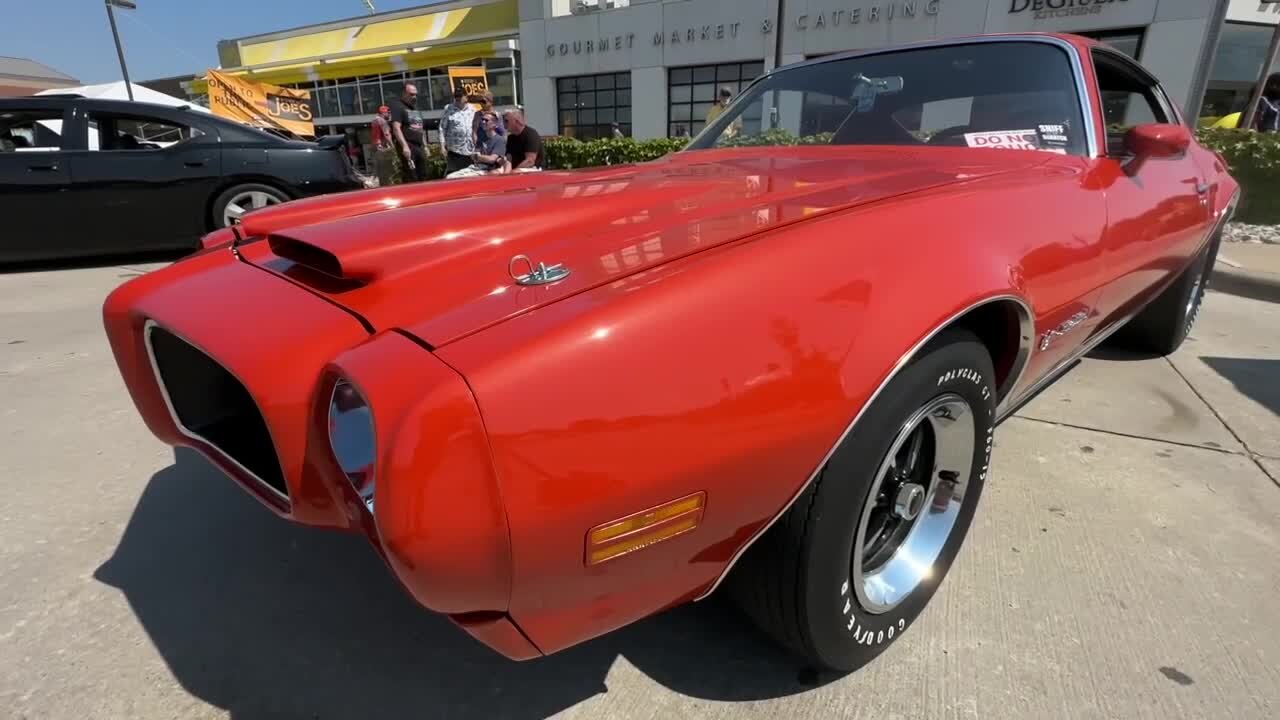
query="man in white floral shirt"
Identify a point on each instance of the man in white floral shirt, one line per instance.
(457, 132)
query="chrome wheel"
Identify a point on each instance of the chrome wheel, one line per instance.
(913, 504)
(244, 202)
(1195, 297)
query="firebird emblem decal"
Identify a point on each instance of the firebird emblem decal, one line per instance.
(1062, 329)
(542, 274)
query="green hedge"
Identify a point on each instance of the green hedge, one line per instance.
(1254, 159)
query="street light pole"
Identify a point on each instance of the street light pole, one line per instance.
(124, 70)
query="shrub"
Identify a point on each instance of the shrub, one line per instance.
(569, 154)
(1254, 159)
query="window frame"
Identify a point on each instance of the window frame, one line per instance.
(68, 123)
(626, 126)
(1154, 94)
(716, 84)
(89, 116)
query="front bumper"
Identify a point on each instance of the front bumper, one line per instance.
(438, 519)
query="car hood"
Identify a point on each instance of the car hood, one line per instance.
(439, 259)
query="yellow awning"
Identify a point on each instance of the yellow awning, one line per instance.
(372, 64)
(418, 30)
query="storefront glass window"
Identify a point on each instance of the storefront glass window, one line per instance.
(1242, 50)
(370, 96)
(327, 101)
(1128, 42)
(348, 100)
(588, 105)
(503, 86)
(392, 87)
(691, 91)
(441, 92)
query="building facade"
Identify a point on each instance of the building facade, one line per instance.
(654, 67)
(352, 66)
(20, 76)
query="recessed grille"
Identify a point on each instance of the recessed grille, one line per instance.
(210, 404)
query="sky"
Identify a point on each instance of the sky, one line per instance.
(161, 38)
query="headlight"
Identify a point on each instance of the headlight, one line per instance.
(351, 437)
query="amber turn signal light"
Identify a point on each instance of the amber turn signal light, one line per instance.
(636, 532)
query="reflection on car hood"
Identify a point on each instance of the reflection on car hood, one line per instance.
(434, 258)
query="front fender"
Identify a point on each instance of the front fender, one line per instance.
(733, 372)
(439, 519)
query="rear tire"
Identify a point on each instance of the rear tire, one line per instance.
(1163, 325)
(239, 200)
(827, 580)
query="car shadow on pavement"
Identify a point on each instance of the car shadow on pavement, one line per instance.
(99, 261)
(1254, 378)
(1115, 354)
(264, 618)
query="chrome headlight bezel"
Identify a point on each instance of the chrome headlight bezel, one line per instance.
(353, 438)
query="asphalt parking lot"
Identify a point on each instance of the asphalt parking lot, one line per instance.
(1125, 563)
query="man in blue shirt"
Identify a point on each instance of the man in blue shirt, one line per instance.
(490, 156)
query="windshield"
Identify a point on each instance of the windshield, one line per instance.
(1000, 95)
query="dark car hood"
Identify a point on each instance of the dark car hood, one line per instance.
(434, 259)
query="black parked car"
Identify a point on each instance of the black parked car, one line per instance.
(82, 177)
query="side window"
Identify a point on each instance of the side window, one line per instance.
(30, 130)
(122, 132)
(1128, 100)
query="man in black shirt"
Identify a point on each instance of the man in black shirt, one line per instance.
(406, 127)
(524, 144)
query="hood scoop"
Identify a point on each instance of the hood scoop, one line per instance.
(307, 255)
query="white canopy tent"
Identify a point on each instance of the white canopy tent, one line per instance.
(117, 91)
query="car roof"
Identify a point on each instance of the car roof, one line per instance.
(180, 113)
(63, 99)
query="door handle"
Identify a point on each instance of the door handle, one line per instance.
(195, 163)
(43, 168)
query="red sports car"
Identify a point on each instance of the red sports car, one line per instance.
(559, 402)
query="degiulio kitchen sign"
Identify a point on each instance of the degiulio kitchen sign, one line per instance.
(1046, 9)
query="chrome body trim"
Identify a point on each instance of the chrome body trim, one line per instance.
(1091, 120)
(1027, 340)
(1099, 337)
(1085, 348)
(150, 325)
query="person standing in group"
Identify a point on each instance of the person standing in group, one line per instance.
(486, 106)
(406, 127)
(457, 132)
(384, 147)
(524, 144)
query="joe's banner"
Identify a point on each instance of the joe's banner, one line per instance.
(472, 80)
(261, 104)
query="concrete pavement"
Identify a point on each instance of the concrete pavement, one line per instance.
(1125, 563)
(1249, 270)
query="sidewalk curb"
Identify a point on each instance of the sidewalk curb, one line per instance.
(1256, 285)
